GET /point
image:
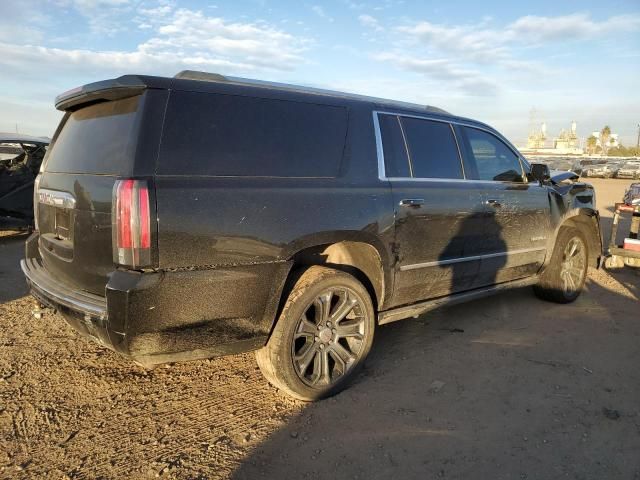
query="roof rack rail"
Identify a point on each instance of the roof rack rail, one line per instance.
(218, 78)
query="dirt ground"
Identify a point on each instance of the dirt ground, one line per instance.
(508, 387)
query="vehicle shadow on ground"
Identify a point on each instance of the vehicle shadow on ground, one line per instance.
(504, 387)
(12, 284)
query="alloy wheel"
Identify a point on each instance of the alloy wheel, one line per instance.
(572, 269)
(329, 337)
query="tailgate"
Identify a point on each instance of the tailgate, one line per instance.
(93, 147)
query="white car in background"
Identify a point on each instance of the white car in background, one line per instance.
(601, 171)
(629, 170)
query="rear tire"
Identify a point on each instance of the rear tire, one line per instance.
(322, 337)
(564, 278)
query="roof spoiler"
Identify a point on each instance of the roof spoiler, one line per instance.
(114, 89)
(216, 77)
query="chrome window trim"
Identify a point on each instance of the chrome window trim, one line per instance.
(406, 147)
(455, 138)
(380, 152)
(450, 261)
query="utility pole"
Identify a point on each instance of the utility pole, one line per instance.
(638, 142)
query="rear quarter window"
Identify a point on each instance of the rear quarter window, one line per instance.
(96, 139)
(230, 135)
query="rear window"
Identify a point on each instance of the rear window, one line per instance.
(396, 161)
(229, 135)
(432, 149)
(96, 139)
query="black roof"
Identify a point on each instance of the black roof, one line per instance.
(213, 82)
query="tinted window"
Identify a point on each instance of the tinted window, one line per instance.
(228, 135)
(491, 158)
(96, 139)
(396, 162)
(432, 149)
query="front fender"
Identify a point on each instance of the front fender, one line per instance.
(574, 205)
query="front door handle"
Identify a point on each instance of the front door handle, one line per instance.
(493, 203)
(412, 202)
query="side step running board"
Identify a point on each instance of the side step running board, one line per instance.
(416, 309)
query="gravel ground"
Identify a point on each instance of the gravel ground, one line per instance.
(505, 387)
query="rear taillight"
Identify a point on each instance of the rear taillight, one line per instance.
(131, 219)
(36, 201)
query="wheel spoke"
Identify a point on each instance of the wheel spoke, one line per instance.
(325, 374)
(304, 359)
(577, 271)
(343, 308)
(322, 306)
(345, 355)
(350, 330)
(574, 247)
(306, 328)
(339, 361)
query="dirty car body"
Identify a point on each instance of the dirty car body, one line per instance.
(20, 160)
(246, 183)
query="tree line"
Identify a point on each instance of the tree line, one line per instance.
(604, 143)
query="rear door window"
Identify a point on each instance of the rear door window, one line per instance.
(433, 151)
(396, 161)
(230, 135)
(96, 139)
(489, 157)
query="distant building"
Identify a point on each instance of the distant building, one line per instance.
(566, 143)
(537, 137)
(567, 140)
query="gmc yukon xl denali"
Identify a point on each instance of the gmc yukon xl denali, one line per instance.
(201, 215)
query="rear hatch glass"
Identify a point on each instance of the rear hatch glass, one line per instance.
(95, 139)
(94, 146)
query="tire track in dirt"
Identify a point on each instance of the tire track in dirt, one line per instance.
(69, 407)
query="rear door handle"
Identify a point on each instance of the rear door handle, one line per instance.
(412, 202)
(493, 203)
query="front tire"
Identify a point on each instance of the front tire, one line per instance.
(322, 337)
(564, 278)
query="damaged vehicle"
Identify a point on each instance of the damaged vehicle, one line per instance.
(202, 215)
(20, 160)
(600, 171)
(629, 170)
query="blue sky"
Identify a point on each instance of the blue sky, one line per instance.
(494, 61)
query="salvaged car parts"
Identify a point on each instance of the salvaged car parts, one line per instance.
(617, 256)
(202, 215)
(20, 159)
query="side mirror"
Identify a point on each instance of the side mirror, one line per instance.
(540, 172)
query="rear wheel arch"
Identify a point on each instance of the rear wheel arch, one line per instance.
(360, 259)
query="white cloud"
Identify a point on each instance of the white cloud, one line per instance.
(468, 81)
(318, 10)
(479, 44)
(456, 52)
(188, 40)
(568, 27)
(370, 22)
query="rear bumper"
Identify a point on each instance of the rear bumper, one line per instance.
(161, 317)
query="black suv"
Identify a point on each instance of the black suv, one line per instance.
(201, 215)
